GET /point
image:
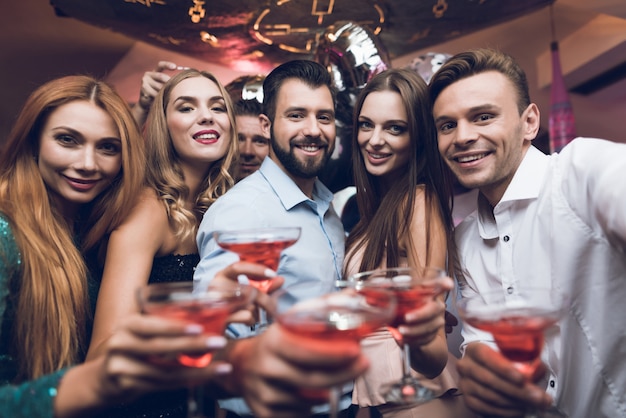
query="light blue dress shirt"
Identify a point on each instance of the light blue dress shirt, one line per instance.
(562, 222)
(269, 198)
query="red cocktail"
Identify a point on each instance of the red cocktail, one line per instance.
(262, 246)
(412, 288)
(339, 318)
(517, 322)
(410, 296)
(212, 319)
(266, 252)
(209, 308)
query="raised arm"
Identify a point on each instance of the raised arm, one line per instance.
(151, 83)
(130, 254)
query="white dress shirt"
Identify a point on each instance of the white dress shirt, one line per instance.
(562, 222)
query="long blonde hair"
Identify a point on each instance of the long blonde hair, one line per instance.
(52, 306)
(165, 173)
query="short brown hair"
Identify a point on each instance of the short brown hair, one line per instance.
(466, 64)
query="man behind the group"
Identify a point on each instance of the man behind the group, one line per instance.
(299, 117)
(254, 144)
(555, 220)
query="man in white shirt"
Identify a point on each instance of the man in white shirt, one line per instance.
(556, 220)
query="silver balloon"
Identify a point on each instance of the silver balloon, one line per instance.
(427, 65)
(352, 54)
(247, 87)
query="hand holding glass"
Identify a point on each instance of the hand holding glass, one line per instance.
(262, 246)
(209, 308)
(412, 288)
(338, 318)
(517, 322)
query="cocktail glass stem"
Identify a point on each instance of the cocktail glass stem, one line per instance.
(409, 390)
(406, 361)
(195, 402)
(261, 325)
(333, 401)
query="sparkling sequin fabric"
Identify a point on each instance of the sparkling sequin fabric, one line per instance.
(173, 268)
(32, 399)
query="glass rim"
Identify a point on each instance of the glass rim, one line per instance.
(144, 292)
(552, 299)
(412, 271)
(257, 229)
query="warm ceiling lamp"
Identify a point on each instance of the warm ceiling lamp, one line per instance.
(284, 25)
(207, 38)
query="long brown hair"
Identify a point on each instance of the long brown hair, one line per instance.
(165, 173)
(51, 307)
(386, 213)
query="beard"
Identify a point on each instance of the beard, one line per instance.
(308, 168)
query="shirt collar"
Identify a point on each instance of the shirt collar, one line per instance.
(528, 178)
(287, 190)
(526, 184)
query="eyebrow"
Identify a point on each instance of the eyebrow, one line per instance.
(396, 122)
(66, 129)
(387, 122)
(475, 109)
(193, 99)
(79, 134)
(304, 109)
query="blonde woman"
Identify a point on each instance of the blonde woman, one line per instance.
(191, 146)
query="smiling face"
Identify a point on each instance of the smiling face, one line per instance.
(303, 132)
(198, 121)
(482, 136)
(80, 154)
(383, 135)
(253, 144)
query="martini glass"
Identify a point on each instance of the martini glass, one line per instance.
(413, 288)
(261, 246)
(517, 323)
(339, 318)
(209, 308)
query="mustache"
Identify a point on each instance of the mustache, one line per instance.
(318, 142)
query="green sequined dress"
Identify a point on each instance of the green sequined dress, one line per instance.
(34, 398)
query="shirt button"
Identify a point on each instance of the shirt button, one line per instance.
(552, 383)
(509, 290)
(506, 238)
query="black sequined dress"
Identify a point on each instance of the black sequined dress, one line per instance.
(173, 268)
